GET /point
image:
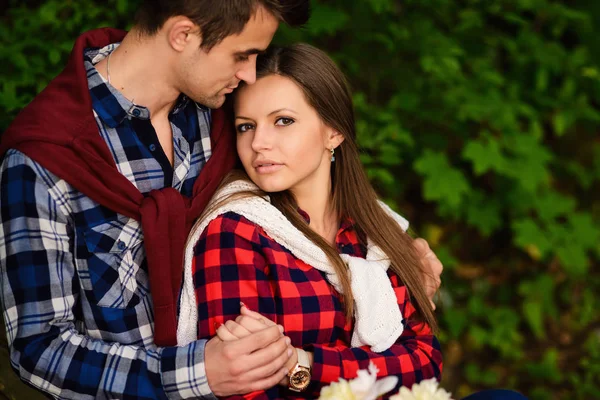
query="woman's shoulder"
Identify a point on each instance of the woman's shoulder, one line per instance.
(234, 223)
(231, 210)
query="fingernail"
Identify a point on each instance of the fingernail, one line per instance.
(290, 351)
(280, 328)
(243, 305)
(288, 341)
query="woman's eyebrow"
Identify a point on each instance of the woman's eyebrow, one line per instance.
(282, 109)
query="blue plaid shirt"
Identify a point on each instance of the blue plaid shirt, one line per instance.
(74, 280)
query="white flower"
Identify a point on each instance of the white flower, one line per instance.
(337, 391)
(364, 387)
(426, 390)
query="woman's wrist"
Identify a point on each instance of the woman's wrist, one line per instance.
(293, 361)
(311, 358)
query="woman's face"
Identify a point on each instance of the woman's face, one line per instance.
(281, 140)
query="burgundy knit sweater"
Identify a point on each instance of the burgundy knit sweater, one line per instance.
(58, 130)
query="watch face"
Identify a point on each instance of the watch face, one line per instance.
(300, 379)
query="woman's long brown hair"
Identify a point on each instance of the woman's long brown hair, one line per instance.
(326, 90)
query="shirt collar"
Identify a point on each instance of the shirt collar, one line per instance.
(109, 104)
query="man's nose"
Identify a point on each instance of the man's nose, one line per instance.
(248, 72)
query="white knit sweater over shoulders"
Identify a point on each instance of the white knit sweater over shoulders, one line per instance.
(378, 320)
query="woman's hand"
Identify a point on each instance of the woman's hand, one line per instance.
(250, 322)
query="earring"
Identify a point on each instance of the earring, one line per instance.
(332, 154)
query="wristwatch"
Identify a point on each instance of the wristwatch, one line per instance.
(300, 374)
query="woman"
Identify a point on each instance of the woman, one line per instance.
(301, 239)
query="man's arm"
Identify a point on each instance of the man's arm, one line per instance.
(40, 298)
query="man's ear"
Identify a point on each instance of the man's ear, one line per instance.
(182, 32)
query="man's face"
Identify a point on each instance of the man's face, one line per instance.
(206, 77)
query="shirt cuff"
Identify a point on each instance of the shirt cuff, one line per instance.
(327, 364)
(183, 373)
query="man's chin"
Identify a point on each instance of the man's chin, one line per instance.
(213, 102)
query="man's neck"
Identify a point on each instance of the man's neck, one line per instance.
(141, 72)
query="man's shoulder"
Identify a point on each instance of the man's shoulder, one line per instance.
(18, 166)
(16, 158)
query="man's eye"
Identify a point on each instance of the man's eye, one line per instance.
(284, 121)
(243, 127)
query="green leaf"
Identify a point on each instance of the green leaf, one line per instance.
(380, 6)
(478, 335)
(539, 303)
(54, 56)
(528, 234)
(552, 205)
(326, 20)
(585, 230)
(482, 213)
(547, 369)
(534, 317)
(457, 320)
(541, 80)
(48, 12)
(122, 6)
(389, 155)
(573, 259)
(562, 121)
(529, 164)
(485, 155)
(443, 183)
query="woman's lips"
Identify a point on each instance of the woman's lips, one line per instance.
(268, 168)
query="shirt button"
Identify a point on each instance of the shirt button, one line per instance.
(121, 245)
(136, 112)
(152, 147)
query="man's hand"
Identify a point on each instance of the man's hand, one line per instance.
(245, 324)
(254, 362)
(432, 268)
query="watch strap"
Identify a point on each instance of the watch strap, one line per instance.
(303, 359)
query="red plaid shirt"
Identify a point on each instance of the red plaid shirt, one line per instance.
(235, 260)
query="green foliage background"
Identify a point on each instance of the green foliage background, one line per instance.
(479, 122)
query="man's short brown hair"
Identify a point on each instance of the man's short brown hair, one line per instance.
(217, 19)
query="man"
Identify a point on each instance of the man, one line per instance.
(102, 175)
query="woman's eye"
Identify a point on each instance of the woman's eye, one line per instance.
(243, 127)
(284, 121)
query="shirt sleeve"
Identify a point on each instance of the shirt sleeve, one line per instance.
(415, 356)
(40, 301)
(229, 267)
